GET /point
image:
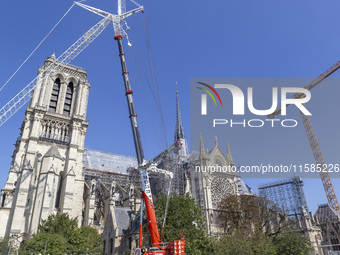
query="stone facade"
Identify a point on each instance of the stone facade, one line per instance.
(329, 222)
(209, 186)
(51, 172)
(310, 228)
(46, 172)
(111, 201)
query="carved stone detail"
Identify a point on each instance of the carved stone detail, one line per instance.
(220, 188)
(56, 130)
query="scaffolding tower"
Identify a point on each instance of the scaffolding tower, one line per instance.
(287, 194)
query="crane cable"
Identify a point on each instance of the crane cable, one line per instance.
(142, 64)
(144, 74)
(159, 106)
(147, 103)
(135, 3)
(155, 82)
(157, 100)
(38, 46)
(139, 63)
(166, 207)
(159, 103)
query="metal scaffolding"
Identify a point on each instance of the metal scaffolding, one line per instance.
(287, 194)
(108, 167)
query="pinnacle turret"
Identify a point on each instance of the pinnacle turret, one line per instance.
(201, 145)
(229, 157)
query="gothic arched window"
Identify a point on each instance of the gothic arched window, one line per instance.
(68, 99)
(60, 183)
(3, 200)
(111, 246)
(54, 96)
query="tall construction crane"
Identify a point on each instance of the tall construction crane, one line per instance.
(157, 248)
(326, 181)
(8, 110)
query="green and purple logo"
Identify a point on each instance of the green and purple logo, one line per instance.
(204, 97)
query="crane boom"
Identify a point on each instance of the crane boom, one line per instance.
(145, 183)
(118, 21)
(310, 85)
(8, 110)
(326, 180)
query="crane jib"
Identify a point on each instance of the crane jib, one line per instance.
(311, 85)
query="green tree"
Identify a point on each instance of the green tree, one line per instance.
(248, 213)
(255, 226)
(4, 245)
(261, 244)
(235, 244)
(56, 244)
(86, 240)
(63, 236)
(186, 217)
(289, 242)
(240, 243)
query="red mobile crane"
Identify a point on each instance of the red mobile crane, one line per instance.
(174, 247)
(157, 248)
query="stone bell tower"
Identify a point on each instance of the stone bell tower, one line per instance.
(46, 172)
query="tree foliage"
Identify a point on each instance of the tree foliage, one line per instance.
(4, 245)
(63, 236)
(186, 217)
(248, 213)
(291, 242)
(242, 244)
(255, 226)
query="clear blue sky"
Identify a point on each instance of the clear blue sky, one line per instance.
(189, 39)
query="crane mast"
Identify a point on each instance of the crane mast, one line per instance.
(118, 22)
(145, 183)
(326, 180)
(146, 189)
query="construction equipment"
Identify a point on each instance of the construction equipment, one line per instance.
(288, 194)
(173, 147)
(157, 247)
(326, 181)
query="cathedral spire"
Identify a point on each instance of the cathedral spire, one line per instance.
(179, 131)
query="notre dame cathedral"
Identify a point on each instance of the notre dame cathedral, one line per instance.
(51, 171)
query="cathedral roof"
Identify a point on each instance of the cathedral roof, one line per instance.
(243, 188)
(105, 161)
(325, 213)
